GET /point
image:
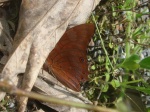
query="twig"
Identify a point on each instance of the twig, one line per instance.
(8, 87)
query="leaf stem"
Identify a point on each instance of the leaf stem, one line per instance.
(102, 42)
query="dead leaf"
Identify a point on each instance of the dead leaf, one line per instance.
(5, 41)
(5, 38)
(41, 24)
(54, 83)
(40, 110)
(41, 87)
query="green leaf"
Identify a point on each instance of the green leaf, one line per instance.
(105, 87)
(111, 45)
(99, 58)
(115, 83)
(134, 58)
(107, 75)
(142, 89)
(96, 80)
(145, 63)
(93, 67)
(137, 31)
(128, 4)
(131, 63)
(91, 91)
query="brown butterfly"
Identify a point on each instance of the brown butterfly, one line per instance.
(68, 60)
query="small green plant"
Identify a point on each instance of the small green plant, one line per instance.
(121, 36)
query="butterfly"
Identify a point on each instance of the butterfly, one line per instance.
(68, 60)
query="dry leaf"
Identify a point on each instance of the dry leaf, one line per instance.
(5, 38)
(41, 24)
(5, 41)
(54, 90)
(40, 110)
(54, 83)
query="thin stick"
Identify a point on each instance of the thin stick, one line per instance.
(8, 87)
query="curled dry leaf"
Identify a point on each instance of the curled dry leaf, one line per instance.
(41, 24)
(59, 91)
(54, 83)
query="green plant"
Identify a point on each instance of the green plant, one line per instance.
(119, 27)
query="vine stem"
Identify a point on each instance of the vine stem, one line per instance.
(102, 42)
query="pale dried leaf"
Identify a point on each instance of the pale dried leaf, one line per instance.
(1, 1)
(40, 110)
(5, 41)
(41, 25)
(83, 12)
(54, 83)
(59, 92)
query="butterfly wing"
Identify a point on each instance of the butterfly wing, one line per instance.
(68, 60)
